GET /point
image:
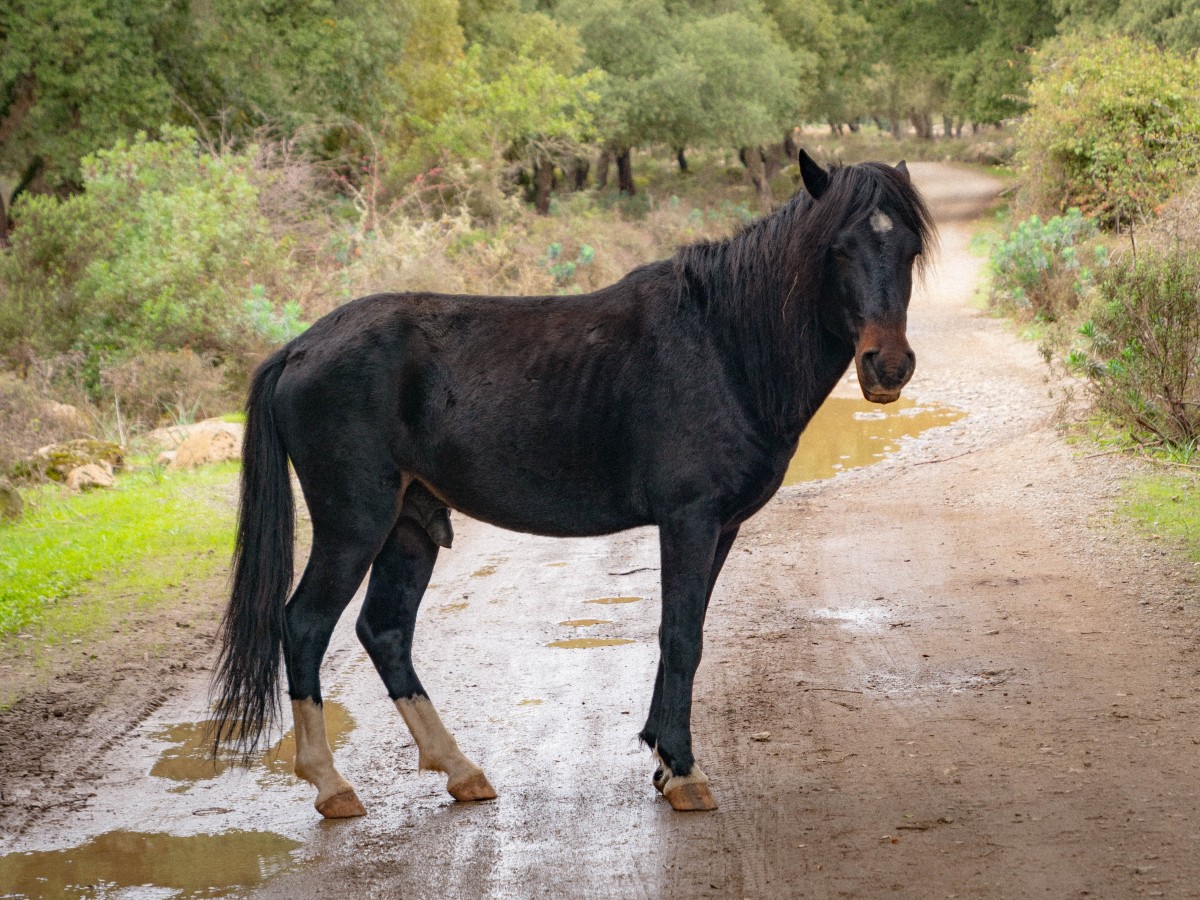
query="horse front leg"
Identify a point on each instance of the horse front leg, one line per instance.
(649, 735)
(691, 547)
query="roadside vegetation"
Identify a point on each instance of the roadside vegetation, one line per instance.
(1102, 249)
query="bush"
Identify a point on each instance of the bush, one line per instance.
(160, 250)
(166, 386)
(1036, 268)
(28, 420)
(1113, 127)
(1142, 351)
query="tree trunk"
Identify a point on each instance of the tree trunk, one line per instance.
(3, 223)
(790, 148)
(579, 173)
(771, 157)
(625, 171)
(681, 158)
(894, 124)
(923, 123)
(758, 176)
(835, 128)
(947, 126)
(603, 163)
(853, 126)
(543, 184)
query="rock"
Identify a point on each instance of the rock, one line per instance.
(172, 436)
(208, 446)
(89, 477)
(67, 417)
(761, 736)
(165, 458)
(57, 460)
(12, 507)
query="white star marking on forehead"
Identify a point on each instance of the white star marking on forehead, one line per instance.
(881, 222)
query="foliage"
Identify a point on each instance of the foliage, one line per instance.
(1114, 127)
(1142, 346)
(75, 75)
(1036, 268)
(528, 110)
(564, 269)
(272, 325)
(158, 251)
(137, 537)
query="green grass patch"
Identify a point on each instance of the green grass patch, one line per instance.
(1168, 507)
(77, 561)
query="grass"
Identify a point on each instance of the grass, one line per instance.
(1167, 506)
(76, 563)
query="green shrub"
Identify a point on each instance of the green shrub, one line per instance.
(1036, 268)
(1142, 346)
(159, 251)
(1113, 127)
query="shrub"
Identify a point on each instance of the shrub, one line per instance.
(174, 386)
(1113, 127)
(1142, 346)
(159, 251)
(29, 420)
(1036, 268)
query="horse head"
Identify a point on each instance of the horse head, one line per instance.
(876, 228)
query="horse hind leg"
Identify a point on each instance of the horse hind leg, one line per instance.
(399, 577)
(335, 569)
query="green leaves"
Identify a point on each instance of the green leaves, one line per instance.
(1114, 127)
(1036, 267)
(1141, 352)
(155, 253)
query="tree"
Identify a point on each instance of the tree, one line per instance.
(75, 75)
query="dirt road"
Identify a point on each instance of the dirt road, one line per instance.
(973, 683)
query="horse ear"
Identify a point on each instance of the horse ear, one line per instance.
(902, 168)
(816, 179)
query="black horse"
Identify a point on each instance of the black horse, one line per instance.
(674, 397)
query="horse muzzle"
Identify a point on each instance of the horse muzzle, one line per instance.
(885, 363)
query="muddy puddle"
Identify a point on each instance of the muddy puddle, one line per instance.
(160, 865)
(584, 623)
(849, 432)
(588, 643)
(609, 601)
(189, 758)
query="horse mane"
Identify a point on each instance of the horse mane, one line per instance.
(760, 288)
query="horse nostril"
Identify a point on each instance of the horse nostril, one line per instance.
(869, 360)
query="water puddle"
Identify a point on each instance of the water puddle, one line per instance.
(584, 623)
(453, 607)
(531, 702)
(588, 643)
(189, 759)
(607, 601)
(849, 432)
(204, 865)
(484, 572)
(555, 565)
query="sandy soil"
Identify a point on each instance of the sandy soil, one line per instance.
(973, 682)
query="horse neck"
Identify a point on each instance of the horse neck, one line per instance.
(788, 362)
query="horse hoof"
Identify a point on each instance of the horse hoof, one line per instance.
(689, 793)
(692, 796)
(343, 805)
(660, 779)
(473, 787)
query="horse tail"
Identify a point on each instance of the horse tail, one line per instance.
(252, 631)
